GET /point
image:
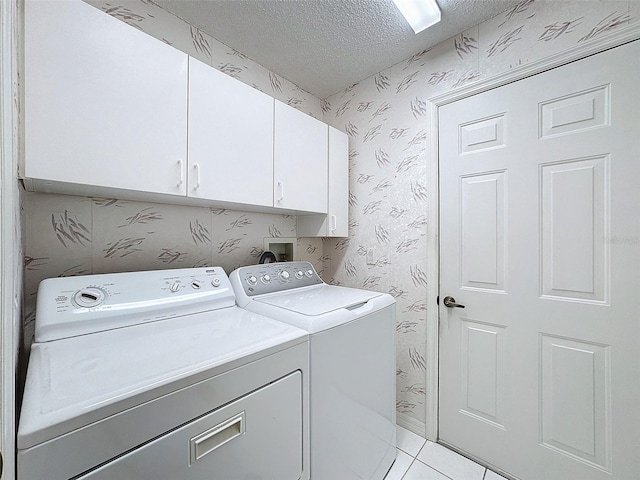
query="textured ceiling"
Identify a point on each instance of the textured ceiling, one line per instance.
(324, 46)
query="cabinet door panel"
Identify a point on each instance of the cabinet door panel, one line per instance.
(300, 161)
(336, 222)
(105, 104)
(230, 138)
(338, 184)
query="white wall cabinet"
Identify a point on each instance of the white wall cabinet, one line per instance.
(111, 111)
(300, 161)
(105, 104)
(336, 222)
(230, 139)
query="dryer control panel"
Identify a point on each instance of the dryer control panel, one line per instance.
(71, 306)
(274, 277)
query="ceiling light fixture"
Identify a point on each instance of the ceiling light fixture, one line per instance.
(420, 14)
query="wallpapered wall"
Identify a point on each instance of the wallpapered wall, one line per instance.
(387, 120)
(388, 123)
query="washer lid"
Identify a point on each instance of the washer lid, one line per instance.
(79, 380)
(318, 299)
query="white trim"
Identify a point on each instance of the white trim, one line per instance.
(433, 282)
(623, 35)
(10, 248)
(410, 423)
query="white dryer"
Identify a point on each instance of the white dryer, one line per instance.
(352, 364)
(160, 376)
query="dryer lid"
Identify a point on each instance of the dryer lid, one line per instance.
(318, 299)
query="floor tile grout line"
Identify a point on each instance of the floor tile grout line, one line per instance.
(434, 469)
(409, 453)
(407, 470)
(415, 458)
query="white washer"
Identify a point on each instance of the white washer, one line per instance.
(352, 362)
(159, 376)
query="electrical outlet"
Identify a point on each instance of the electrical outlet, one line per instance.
(370, 260)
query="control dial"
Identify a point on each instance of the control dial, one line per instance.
(309, 273)
(265, 278)
(252, 280)
(89, 297)
(299, 274)
(284, 275)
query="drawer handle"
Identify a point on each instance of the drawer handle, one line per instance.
(334, 223)
(205, 443)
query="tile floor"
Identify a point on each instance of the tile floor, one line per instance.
(419, 459)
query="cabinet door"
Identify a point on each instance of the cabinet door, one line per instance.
(300, 161)
(336, 222)
(230, 139)
(105, 104)
(338, 184)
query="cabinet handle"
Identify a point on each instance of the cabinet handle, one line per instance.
(281, 191)
(197, 169)
(334, 223)
(181, 173)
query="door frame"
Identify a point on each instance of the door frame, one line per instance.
(617, 38)
(11, 259)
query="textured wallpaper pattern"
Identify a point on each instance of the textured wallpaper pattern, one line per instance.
(387, 120)
(388, 123)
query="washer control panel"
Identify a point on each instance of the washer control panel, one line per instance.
(274, 277)
(80, 305)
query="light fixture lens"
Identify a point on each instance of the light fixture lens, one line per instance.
(420, 14)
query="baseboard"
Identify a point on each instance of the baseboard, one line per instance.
(413, 425)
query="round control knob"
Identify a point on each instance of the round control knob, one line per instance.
(309, 273)
(299, 274)
(265, 278)
(215, 282)
(252, 280)
(89, 297)
(284, 275)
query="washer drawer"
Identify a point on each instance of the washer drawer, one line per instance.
(258, 436)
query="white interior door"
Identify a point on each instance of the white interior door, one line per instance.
(540, 240)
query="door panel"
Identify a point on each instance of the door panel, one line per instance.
(540, 240)
(576, 419)
(230, 139)
(482, 230)
(574, 214)
(301, 160)
(105, 104)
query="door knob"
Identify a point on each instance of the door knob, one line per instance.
(451, 302)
